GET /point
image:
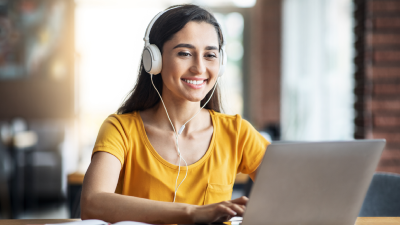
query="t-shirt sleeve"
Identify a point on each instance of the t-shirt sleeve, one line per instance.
(112, 138)
(252, 146)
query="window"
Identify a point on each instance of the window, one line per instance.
(317, 82)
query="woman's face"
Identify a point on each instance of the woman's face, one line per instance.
(190, 62)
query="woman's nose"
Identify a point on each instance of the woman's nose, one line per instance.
(198, 66)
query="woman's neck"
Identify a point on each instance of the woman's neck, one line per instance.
(179, 111)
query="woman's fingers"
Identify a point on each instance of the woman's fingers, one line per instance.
(241, 201)
(239, 209)
(224, 212)
(225, 208)
(220, 212)
(235, 209)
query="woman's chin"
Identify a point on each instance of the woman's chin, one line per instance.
(195, 98)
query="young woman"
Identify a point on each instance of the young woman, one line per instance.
(163, 158)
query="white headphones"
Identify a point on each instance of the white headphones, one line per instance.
(151, 56)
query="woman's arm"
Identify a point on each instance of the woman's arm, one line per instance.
(98, 200)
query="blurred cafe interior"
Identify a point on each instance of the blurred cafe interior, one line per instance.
(298, 70)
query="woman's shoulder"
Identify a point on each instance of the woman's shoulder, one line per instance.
(123, 120)
(226, 120)
(223, 116)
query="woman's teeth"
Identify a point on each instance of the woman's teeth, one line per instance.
(195, 82)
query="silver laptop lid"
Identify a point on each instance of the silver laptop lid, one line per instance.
(313, 183)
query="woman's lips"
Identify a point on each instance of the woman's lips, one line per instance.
(195, 83)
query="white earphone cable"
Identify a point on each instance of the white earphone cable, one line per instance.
(201, 107)
(179, 132)
(151, 77)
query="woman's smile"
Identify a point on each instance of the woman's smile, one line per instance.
(195, 83)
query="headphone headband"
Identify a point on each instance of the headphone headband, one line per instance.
(146, 38)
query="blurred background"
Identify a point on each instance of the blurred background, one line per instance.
(297, 70)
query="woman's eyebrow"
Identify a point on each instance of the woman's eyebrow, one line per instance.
(211, 48)
(192, 47)
(185, 46)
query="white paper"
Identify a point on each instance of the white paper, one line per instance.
(236, 218)
(130, 223)
(99, 222)
(83, 222)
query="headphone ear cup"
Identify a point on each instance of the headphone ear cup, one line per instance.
(222, 62)
(152, 59)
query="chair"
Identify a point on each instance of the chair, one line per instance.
(5, 172)
(75, 182)
(76, 205)
(383, 196)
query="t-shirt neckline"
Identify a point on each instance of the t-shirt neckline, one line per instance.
(146, 141)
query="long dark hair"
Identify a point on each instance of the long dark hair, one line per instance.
(144, 96)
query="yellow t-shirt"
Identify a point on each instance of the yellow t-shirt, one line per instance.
(235, 147)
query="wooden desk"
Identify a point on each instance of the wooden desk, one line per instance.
(35, 221)
(360, 221)
(378, 221)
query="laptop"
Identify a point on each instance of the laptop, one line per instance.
(312, 183)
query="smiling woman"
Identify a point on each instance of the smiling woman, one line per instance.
(136, 162)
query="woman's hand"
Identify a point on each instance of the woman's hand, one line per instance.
(219, 212)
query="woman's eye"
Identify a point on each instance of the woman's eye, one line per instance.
(184, 54)
(211, 56)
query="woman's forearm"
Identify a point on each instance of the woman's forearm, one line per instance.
(113, 207)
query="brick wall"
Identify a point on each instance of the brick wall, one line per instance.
(264, 75)
(378, 76)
